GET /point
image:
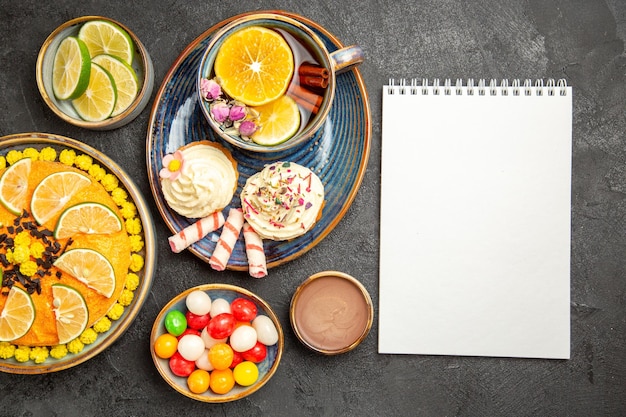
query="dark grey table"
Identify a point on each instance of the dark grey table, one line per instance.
(582, 41)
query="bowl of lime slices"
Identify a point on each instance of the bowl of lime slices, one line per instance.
(95, 73)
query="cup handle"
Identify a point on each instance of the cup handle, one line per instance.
(345, 59)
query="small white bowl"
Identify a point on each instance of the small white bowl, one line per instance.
(142, 64)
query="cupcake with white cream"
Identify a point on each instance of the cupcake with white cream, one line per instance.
(199, 179)
(282, 201)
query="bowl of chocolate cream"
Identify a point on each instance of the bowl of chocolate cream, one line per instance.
(331, 312)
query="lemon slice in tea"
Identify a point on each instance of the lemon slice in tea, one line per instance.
(70, 69)
(89, 267)
(125, 78)
(98, 101)
(278, 121)
(70, 310)
(87, 218)
(14, 186)
(17, 315)
(103, 37)
(254, 65)
(53, 192)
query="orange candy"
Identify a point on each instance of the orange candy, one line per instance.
(222, 381)
(198, 381)
(221, 356)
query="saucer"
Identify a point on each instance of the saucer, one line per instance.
(338, 153)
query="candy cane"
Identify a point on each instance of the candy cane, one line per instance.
(257, 265)
(193, 233)
(228, 238)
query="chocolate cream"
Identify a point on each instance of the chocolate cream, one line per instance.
(331, 313)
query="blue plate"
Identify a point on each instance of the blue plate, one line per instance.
(338, 153)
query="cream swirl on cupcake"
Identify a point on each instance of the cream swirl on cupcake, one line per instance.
(282, 201)
(199, 179)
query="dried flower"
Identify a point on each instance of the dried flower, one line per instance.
(172, 165)
(220, 111)
(237, 113)
(210, 89)
(247, 128)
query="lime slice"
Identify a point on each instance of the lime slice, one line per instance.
(103, 37)
(87, 218)
(70, 310)
(89, 267)
(14, 186)
(71, 68)
(278, 121)
(98, 101)
(17, 315)
(125, 78)
(53, 192)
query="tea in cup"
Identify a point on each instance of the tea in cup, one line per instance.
(266, 82)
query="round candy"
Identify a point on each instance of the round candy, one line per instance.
(243, 309)
(221, 355)
(203, 361)
(198, 302)
(222, 381)
(246, 373)
(256, 354)
(221, 325)
(181, 366)
(265, 329)
(198, 381)
(175, 322)
(219, 306)
(190, 347)
(243, 338)
(196, 321)
(165, 345)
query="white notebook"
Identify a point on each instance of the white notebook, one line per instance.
(475, 218)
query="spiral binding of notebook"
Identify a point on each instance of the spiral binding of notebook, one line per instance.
(480, 87)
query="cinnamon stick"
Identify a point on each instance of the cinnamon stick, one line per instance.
(311, 108)
(313, 81)
(305, 98)
(305, 94)
(313, 70)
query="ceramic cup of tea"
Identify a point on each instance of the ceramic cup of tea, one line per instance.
(266, 81)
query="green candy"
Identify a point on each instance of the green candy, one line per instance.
(175, 322)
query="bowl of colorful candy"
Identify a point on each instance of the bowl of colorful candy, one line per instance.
(216, 343)
(95, 73)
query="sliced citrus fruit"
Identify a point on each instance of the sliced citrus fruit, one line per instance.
(98, 100)
(278, 121)
(17, 315)
(254, 65)
(53, 193)
(87, 218)
(70, 310)
(70, 69)
(90, 267)
(14, 186)
(103, 37)
(125, 78)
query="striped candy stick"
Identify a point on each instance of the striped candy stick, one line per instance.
(228, 238)
(194, 232)
(257, 266)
